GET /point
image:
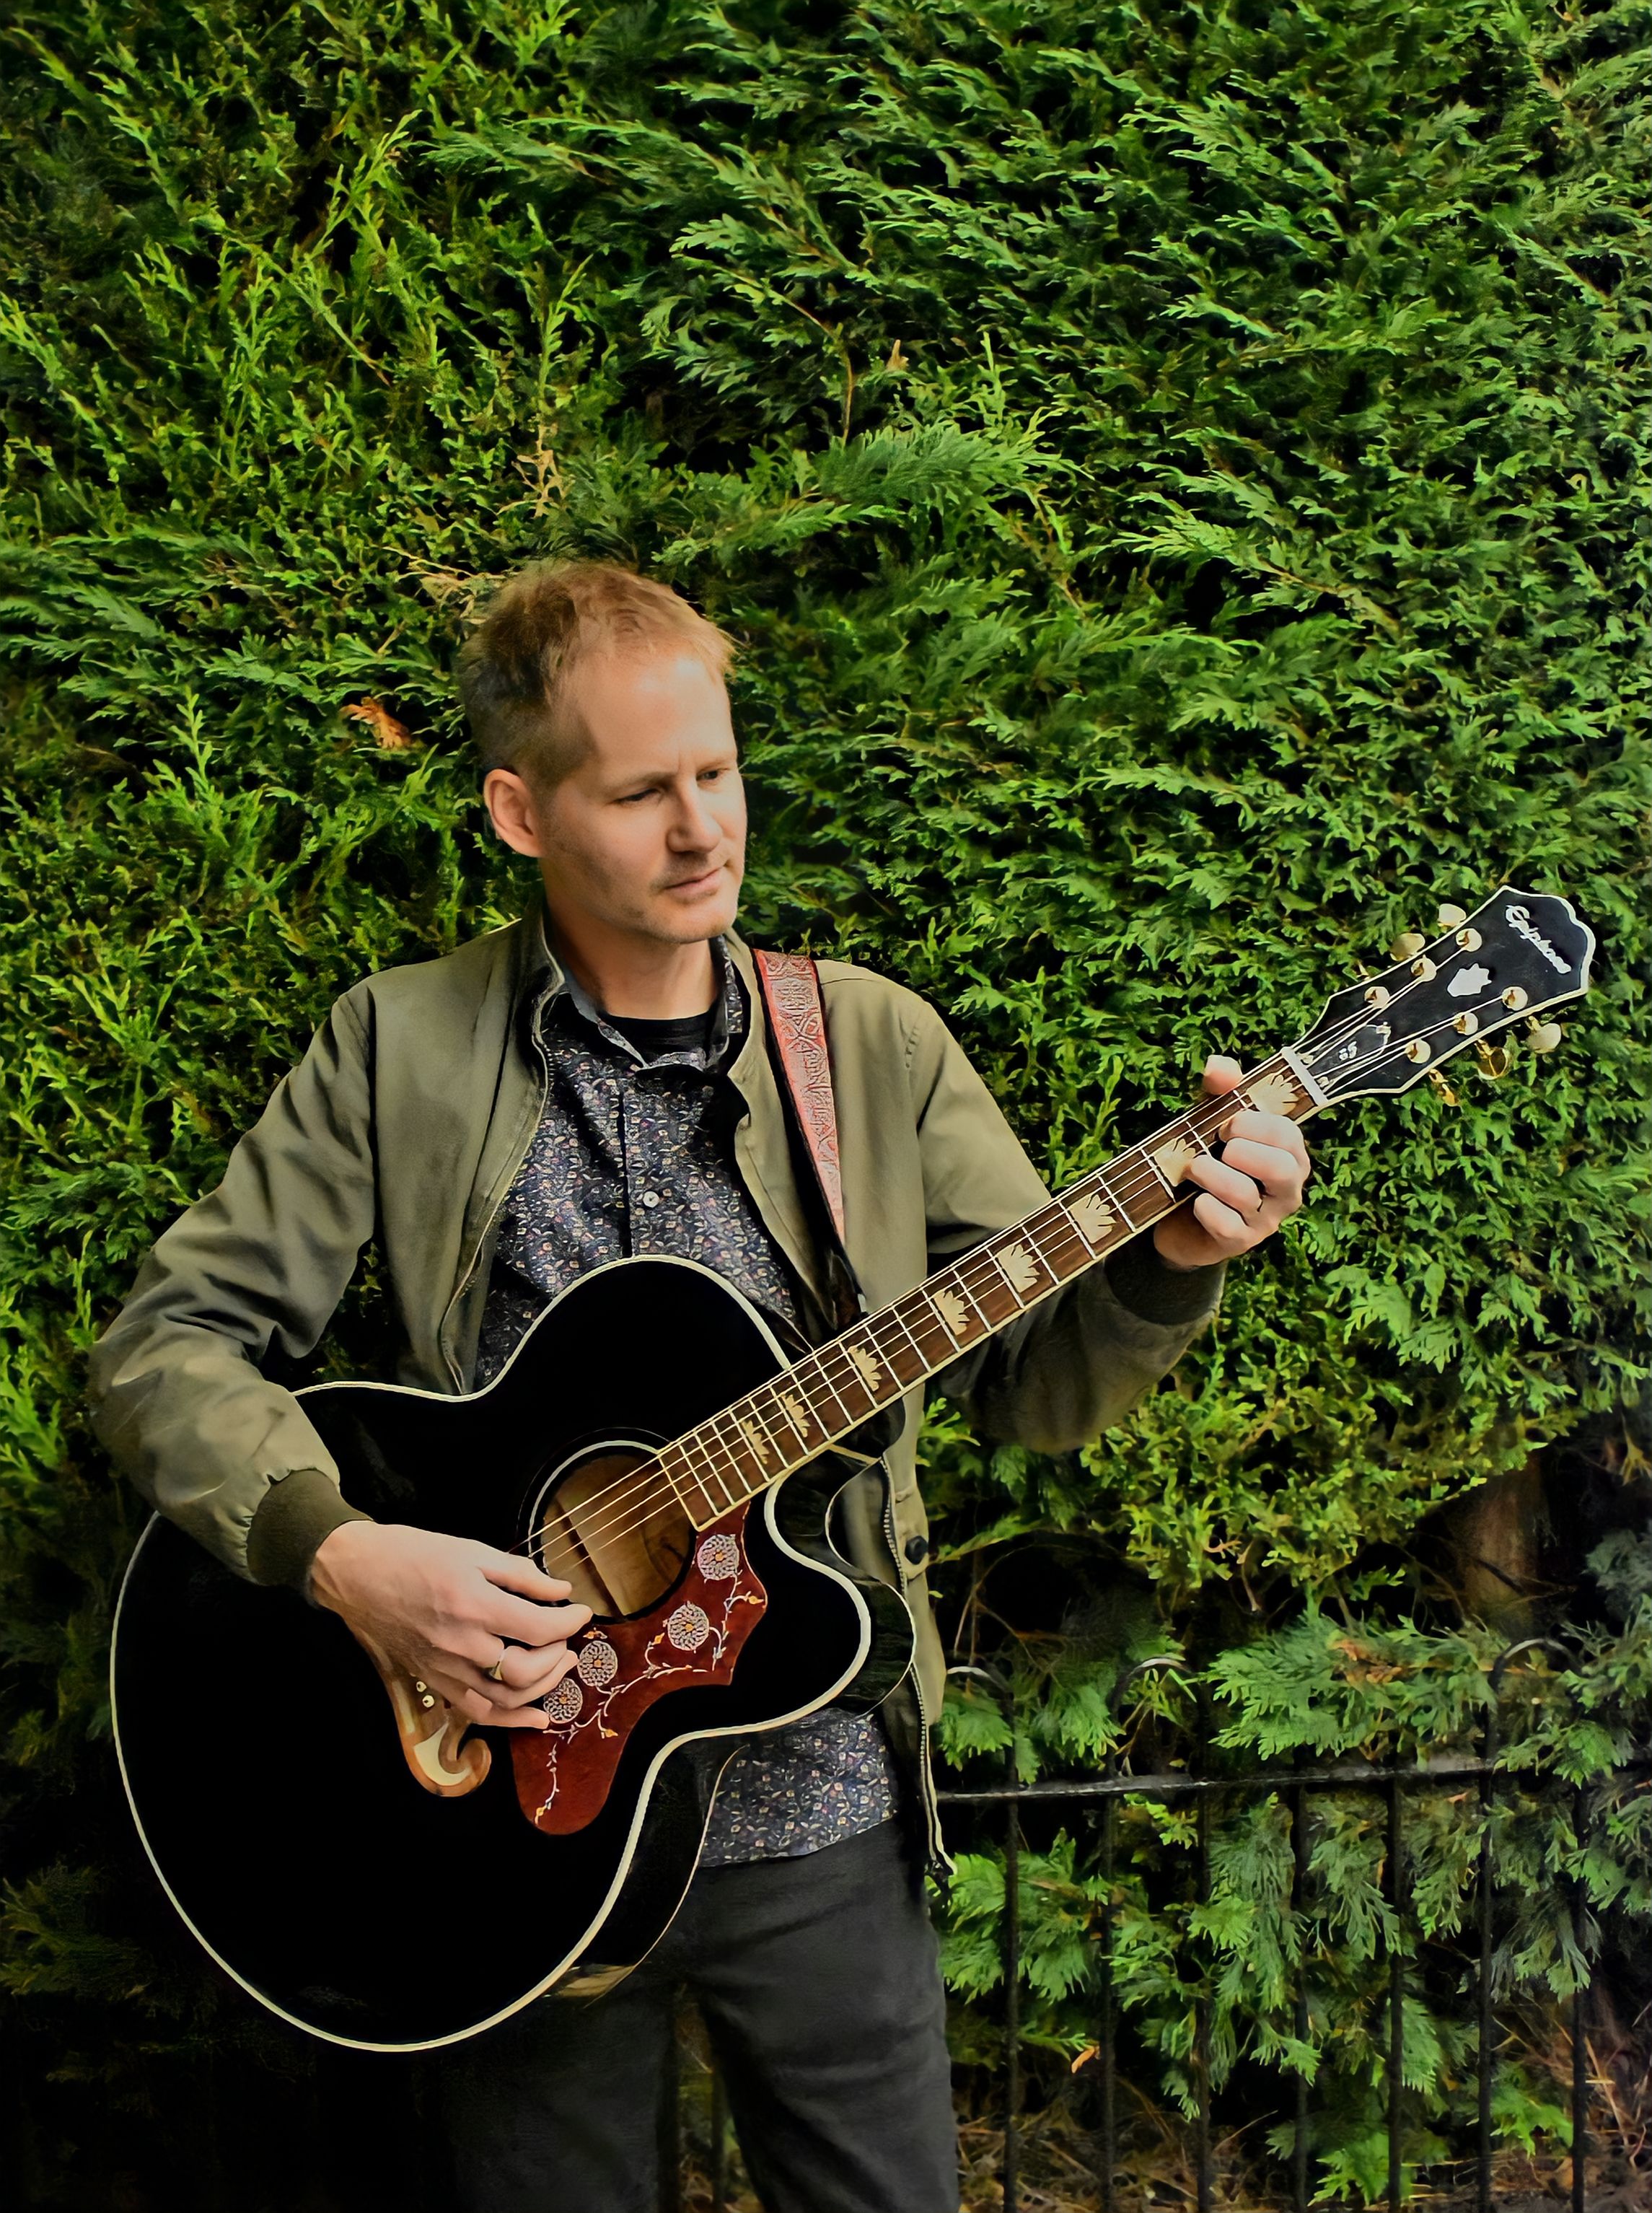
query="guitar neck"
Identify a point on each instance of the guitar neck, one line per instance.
(831, 1392)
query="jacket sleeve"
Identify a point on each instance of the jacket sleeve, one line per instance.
(255, 1268)
(1077, 1364)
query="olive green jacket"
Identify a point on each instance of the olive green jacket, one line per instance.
(405, 1123)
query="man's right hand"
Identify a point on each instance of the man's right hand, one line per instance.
(446, 1609)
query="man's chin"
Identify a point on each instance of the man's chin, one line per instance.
(691, 921)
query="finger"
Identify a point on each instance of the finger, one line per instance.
(1221, 1075)
(1226, 1227)
(471, 1647)
(1274, 1129)
(1279, 1174)
(464, 1698)
(528, 1672)
(1239, 1191)
(512, 1571)
(524, 1676)
(519, 1621)
(520, 1717)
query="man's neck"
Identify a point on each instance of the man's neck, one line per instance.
(650, 978)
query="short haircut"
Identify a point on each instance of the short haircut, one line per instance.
(538, 628)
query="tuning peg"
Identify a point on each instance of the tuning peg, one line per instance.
(1543, 1036)
(1493, 1059)
(1407, 945)
(1442, 1087)
(1451, 918)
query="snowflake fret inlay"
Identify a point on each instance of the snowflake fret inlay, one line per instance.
(1095, 1218)
(867, 1366)
(1019, 1266)
(1174, 1159)
(754, 1436)
(1274, 1095)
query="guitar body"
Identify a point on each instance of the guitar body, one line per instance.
(394, 1890)
(377, 1876)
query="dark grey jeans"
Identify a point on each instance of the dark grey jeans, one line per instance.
(818, 1982)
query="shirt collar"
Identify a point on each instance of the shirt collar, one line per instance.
(728, 1010)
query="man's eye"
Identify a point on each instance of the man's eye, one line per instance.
(631, 798)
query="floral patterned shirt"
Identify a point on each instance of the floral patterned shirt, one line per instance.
(634, 1154)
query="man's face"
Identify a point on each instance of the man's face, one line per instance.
(647, 835)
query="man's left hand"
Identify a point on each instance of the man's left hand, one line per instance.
(1246, 1194)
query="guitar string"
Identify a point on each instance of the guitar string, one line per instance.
(984, 1274)
(643, 1482)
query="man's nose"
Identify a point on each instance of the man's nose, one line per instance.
(694, 828)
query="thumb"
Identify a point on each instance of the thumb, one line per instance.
(1221, 1075)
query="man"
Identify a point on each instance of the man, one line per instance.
(592, 1082)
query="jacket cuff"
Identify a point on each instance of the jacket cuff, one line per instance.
(1155, 1292)
(295, 1513)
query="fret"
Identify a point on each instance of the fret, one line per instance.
(723, 1462)
(984, 1318)
(1018, 1265)
(888, 1351)
(951, 1314)
(708, 1509)
(997, 1288)
(991, 1296)
(663, 1463)
(1054, 1223)
(797, 1413)
(1095, 1214)
(1144, 1205)
(852, 1357)
(745, 1461)
(695, 1440)
(832, 1390)
(929, 1318)
(818, 1364)
(755, 1439)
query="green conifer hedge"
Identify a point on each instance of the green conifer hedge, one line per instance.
(1177, 473)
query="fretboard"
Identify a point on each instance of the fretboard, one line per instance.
(832, 1390)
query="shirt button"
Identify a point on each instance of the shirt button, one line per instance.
(650, 1199)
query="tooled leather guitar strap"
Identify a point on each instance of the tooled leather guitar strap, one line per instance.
(790, 985)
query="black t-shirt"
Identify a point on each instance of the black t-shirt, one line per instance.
(654, 1039)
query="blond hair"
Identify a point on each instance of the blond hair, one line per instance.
(539, 627)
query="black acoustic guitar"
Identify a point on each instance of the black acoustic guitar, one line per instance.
(380, 1876)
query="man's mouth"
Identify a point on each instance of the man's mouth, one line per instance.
(703, 881)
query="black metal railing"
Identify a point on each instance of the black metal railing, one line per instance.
(1099, 1797)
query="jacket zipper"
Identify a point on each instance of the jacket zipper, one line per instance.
(498, 1206)
(926, 1777)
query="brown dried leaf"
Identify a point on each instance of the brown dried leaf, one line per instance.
(391, 736)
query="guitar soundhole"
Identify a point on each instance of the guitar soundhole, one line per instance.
(606, 1530)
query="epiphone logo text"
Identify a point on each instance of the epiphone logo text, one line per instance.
(1519, 918)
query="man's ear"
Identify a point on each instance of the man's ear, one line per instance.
(511, 804)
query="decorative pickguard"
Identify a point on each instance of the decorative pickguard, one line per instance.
(693, 1637)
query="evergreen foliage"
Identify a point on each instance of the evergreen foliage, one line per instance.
(1178, 474)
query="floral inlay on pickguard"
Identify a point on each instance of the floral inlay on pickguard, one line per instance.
(693, 1637)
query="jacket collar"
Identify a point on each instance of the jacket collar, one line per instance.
(762, 1144)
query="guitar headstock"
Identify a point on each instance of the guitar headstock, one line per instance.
(1519, 954)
